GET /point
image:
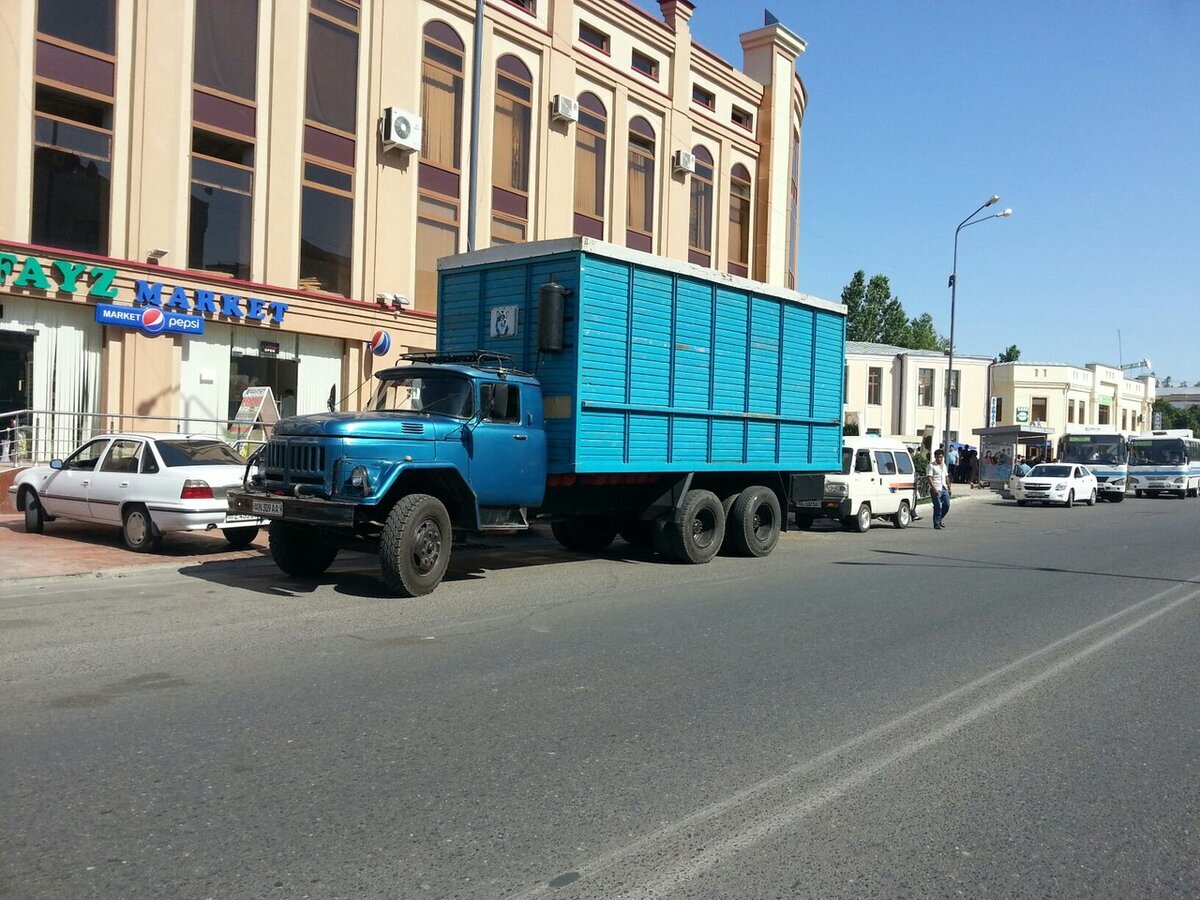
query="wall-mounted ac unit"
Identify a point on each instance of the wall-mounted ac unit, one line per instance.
(684, 161)
(401, 130)
(564, 108)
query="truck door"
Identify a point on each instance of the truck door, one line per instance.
(507, 449)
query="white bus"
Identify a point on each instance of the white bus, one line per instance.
(1104, 451)
(1165, 462)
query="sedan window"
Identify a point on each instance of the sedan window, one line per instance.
(122, 457)
(85, 458)
(198, 453)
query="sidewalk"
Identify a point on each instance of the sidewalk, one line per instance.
(80, 548)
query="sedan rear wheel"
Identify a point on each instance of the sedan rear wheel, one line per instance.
(240, 538)
(138, 529)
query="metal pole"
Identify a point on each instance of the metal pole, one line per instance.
(473, 171)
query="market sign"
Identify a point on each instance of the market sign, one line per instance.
(98, 282)
(151, 319)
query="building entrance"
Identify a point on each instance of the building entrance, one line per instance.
(16, 371)
(280, 375)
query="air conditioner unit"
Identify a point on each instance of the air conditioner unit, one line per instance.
(684, 162)
(564, 108)
(401, 130)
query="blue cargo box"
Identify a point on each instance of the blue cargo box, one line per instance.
(665, 367)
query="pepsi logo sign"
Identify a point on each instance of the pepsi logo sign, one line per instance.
(381, 343)
(153, 320)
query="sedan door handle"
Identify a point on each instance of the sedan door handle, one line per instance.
(85, 483)
(520, 437)
(124, 484)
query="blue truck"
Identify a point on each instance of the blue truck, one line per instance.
(608, 390)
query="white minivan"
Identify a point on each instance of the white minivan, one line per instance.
(878, 480)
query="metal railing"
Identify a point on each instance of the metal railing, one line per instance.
(32, 436)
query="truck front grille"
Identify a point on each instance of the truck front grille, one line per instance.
(296, 457)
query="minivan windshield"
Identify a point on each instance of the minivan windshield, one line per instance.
(436, 393)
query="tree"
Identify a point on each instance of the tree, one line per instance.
(1012, 354)
(1166, 382)
(922, 335)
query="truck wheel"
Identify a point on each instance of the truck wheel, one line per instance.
(903, 516)
(698, 535)
(415, 548)
(754, 521)
(584, 534)
(138, 529)
(240, 538)
(35, 519)
(299, 551)
(638, 533)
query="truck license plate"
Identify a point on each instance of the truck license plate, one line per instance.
(267, 507)
(807, 503)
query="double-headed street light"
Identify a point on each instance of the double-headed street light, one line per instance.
(969, 220)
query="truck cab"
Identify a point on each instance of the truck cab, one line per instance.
(461, 433)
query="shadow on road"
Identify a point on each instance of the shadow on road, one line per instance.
(930, 560)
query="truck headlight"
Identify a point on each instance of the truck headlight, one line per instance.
(360, 480)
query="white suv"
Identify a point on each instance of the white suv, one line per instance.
(1065, 483)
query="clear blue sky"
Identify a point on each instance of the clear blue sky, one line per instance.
(1083, 116)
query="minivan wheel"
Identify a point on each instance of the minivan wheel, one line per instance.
(862, 521)
(903, 515)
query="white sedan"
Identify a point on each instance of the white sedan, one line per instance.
(1064, 483)
(145, 483)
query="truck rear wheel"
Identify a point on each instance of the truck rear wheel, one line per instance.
(299, 551)
(414, 550)
(584, 534)
(697, 537)
(754, 521)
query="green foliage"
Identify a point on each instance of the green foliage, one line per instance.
(1174, 417)
(1012, 354)
(877, 316)
(850, 429)
(1166, 382)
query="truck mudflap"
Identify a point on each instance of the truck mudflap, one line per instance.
(300, 510)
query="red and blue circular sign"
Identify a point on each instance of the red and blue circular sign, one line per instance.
(381, 343)
(153, 320)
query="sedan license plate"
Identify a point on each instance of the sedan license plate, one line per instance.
(237, 517)
(267, 507)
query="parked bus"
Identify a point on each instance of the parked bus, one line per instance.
(1104, 451)
(1165, 462)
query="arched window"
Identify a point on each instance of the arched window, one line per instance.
(739, 220)
(591, 154)
(510, 151)
(700, 222)
(639, 218)
(441, 156)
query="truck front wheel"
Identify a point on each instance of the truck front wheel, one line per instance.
(299, 551)
(415, 548)
(584, 534)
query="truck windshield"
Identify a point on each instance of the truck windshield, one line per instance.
(1157, 453)
(436, 393)
(1108, 449)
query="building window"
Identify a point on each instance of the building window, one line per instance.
(442, 98)
(219, 215)
(530, 6)
(1082, 413)
(326, 229)
(1103, 414)
(639, 214)
(593, 37)
(704, 97)
(91, 24)
(438, 203)
(700, 219)
(952, 380)
(645, 65)
(591, 153)
(1070, 411)
(1039, 409)
(1124, 420)
(226, 55)
(331, 86)
(742, 119)
(511, 142)
(875, 386)
(739, 220)
(793, 233)
(925, 387)
(999, 410)
(72, 169)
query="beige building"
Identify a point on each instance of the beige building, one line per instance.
(225, 161)
(894, 391)
(1059, 396)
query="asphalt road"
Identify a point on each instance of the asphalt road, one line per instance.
(1007, 708)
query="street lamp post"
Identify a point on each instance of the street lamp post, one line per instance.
(954, 290)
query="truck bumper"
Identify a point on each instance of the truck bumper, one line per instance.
(827, 508)
(300, 510)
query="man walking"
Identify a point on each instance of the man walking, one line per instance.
(939, 488)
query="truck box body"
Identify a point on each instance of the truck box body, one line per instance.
(665, 366)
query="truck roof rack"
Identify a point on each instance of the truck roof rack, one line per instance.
(483, 359)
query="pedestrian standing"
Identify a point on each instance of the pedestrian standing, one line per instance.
(951, 462)
(939, 489)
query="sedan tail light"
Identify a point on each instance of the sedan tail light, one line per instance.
(195, 489)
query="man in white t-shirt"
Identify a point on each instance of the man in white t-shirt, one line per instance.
(939, 488)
